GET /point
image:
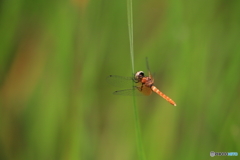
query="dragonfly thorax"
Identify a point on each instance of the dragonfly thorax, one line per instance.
(148, 81)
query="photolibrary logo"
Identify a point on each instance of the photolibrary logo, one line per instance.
(212, 153)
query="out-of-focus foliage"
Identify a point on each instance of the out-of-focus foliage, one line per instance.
(56, 104)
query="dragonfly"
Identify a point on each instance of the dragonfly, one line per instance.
(143, 85)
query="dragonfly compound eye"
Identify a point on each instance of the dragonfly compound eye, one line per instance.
(139, 75)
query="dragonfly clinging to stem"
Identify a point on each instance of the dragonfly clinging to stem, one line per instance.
(142, 84)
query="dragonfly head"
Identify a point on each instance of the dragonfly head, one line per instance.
(139, 75)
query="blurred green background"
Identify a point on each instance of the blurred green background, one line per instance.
(55, 56)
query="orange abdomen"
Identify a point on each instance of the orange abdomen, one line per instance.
(163, 95)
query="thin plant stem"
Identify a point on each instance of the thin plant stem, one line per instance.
(130, 31)
(140, 149)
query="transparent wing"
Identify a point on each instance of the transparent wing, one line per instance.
(129, 92)
(148, 68)
(119, 81)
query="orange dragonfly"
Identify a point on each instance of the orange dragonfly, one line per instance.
(142, 84)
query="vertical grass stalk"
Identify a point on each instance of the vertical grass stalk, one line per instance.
(140, 149)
